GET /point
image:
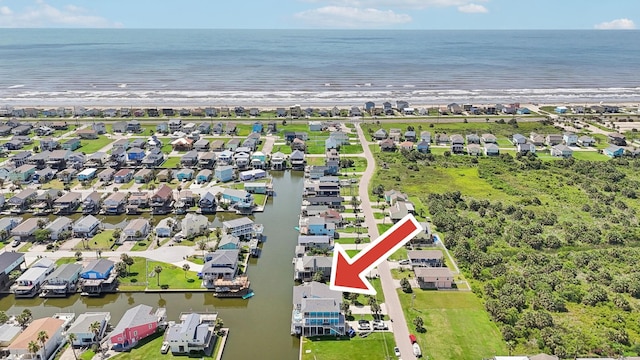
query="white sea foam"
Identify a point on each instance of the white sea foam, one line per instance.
(18, 86)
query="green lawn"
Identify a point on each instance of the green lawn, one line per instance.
(171, 163)
(172, 276)
(92, 146)
(141, 245)
(590, 155)
(375, 346)
(66, 260)
(25, 247)
(102, 240)
(285, 149)
(351, 149)
(457, 325)
(136, 279)
(57, 184)
(149, 348)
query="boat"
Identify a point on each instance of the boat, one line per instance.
(296, 228)
(248, 295)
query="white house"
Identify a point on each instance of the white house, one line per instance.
(241, 227)
(52, 327)
(80, 328)
(192, 334)
(58, 226)
(137, 229)
(193, 224)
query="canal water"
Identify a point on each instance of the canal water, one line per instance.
(259, 327)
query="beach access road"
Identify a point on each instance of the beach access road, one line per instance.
(392, 301)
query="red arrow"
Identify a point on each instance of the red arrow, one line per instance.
(347, 274)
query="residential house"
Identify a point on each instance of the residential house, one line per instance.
(20, 348)
(258, 160)
(297, 159)
(138, 199)
(473, 139)
(457, 144)
(272, 127)
(68, 203)
(518, 139)
(135, 155)
(8, 333)
(48, 144)
(165, 175)
(224, 173)
(25, 230)
(97, 269)
(434, 277)
(426, 258)
(423, 147)
(118, 158)
(13, 145)
(206, 160)
(182, 144)
(136, 324)
(87, 134)
(43, 176)
(71, 144)
(6, 225)
(208, 203)
(143, 176)
(561, 151)
(380, 134)
(491, 149)
(123, 176)
(614, 151)
(442, 139)
(21, 201)
(278, 161)
(59, 159)
(298, 144)
(454, 109)
(241, 227)
(201, 145)
(406, 146)
(220, 270)
(225, 157)
(474, 150)
(119, 127)
(29, 283)
(586, 141)
(230, 128)
(121, 144)
(44, 131)
(80, 328)
(617, 139)
(136, 229)
(525, 148)
(395, 134)
(317, 311)
(232, 144)
(537, 140)
(306, 267)
(218, 129)
(134, 126)
(216, 145)
(20, 158)
(308, 242)
(425, 136)
(229, 242)
(554, 139)
(174, 125)
(400, 209)
(194, 225)
(92, 203)
(62, 281)
(115, 203)
(87, 174)
(387, 145)
(204, 176)
(570, 139)
(22, 174)
(191, 336)
(204, 128)
(162, 200)
(154, 159)
(242, 160)
(165, 228)
(424, 237)
(86, 227)
(9, 261)
(21, 130)
(99, 128)
(315, 126)
(316, 225)
(106, 175)
(98, 159)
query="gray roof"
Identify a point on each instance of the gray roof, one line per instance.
(87, 221)
(237, 222)
(317, 239)
(314, 290)
(229, 239)
(8, 258)
(425, 254)
(59, 223)
(315, 262)
(9, 332)
(98, 265)
(189, 329)
(65, 272)
(223, 257)
(82, 323)
(320, 305)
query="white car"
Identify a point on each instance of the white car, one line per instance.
(15, 243)
(165, 347)
(396, 350)
(379, 325)
(364, 325)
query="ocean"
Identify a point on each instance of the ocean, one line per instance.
(312, 67)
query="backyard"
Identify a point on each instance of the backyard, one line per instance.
(375, 346)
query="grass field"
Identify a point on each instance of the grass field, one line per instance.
(149, 348)
(91, 146)
(375, 346)
(171, 163)
(457, 325)
(172, 276)
(101, 241)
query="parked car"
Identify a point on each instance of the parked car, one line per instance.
(165, 347)
(364, 325)
(404, 262)
(396, 351)
(15, 243)
(379, 325)
(413, 338)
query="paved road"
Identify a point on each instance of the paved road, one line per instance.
(392, 301)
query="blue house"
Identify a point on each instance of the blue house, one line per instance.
(184, 174)
(317, 226)
(614, 151)
(239, 197)
(87, 174)
(523, 111)
(204, 176)
(561, 110)
(97, 269)
(135, 154)
(257, 127)
(224, 173)
(330, 143)
(71, 144)
(423, 146)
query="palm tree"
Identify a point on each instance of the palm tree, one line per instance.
(95, 328)
(42, 338)
(218, 233)
(158, 270)
(186, 268)
(72, 337)
(33, 348)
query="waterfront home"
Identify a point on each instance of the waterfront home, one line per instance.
(182, 144)
(9, 261)
(174, 125)
(48, 144)
(119, 127)
(204, 128)
(561, 151)
(68, 203)
(424, 237)
(317, 311)
(570, 139)
(220, 265)
(165, 228)
(184, 174)
(306, 267)
(614, 151)
(380, 134)
(616, 139)
(315, 242)
(143, 176)
(20, 158)
(194, 225)
(20, 201)
(92, 203)
(162, 200)
(31, 280)
(218, 128)
(115, 204)
(123, 176)
(434, 277)
(256, 187)
(53, 328)
(97, 269)
(252, 174)
(165, 175)
(136, 324)
(278, 161)
(80, 328)
(86, 227)
(22, 174)
(525, 148)
(224, 173)
(62, 281)
(6, 225)
(136, 229)
(193, 334)
(426, 258)
(206, 160)
(238, 198)
(586, 141)
(71, 144)
(8, 333)
(118, 158)
(208, 203)
(21, 130)
(331, 201)
(189, 159)
(554, 139)
(204, 176)
(201, 145)
(232, 144)
(297, 159)
(98, 278)
(25, 230)
(58, 226)
(298, 144)
(316, 226)
(229, 242)
(241, 227)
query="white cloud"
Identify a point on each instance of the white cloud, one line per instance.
(617, 24)
(351, 17)
(44, 15)
(473, 9)
(407, 4)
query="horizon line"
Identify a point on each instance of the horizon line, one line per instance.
(301, 29)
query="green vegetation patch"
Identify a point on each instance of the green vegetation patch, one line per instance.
(375, 346)
(94, 145)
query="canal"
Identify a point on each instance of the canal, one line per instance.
(259, 327)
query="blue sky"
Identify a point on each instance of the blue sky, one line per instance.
(341, 14)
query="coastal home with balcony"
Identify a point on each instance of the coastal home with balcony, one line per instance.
(306, 267)
(26, 229)
(204, 176)
(98, 277)
(525, 148)
(21, 201)
(569, 138)
(554, 139)
(518, 139)
(53, 328)
(123, 176)
(136, 324)
(86, 227)
(278, 161)
(194, 225)
(224, 173)
(87, 174)
(426, 258)
(115, 204)
(58, 226)
(48, 144)
(317, 311)
(135, 155)
(20, 158)
(29, 283)
(537, 140)
(107, 175)
(316, 226)
(434, 277)
(22, 174)
(165, 228)
(614, 151)
(208, 203)
(6, 225)
(165, 175)
(99, 127)
(62, 281)
(92, 203)
(617, 139)
(118, 158)
(586, 141)
(162, 200)
(400, 209)
(206, 160)
(184, 174)
(9, 261)
(221, 273)
(87, 134)
(242, 227)
(194, 334)
(98, 159)
(309, 242)
(153, 159)
(189, 159)
(561, 151)
(71, 144)
(136, 229)
(201, 145)
(424, 237)
(80, 328)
